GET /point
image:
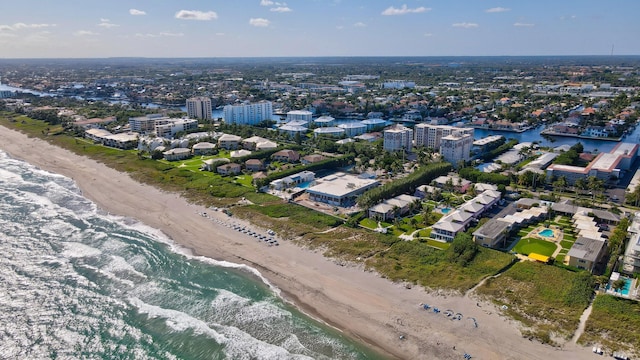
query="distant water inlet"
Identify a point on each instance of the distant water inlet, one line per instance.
(77, 283)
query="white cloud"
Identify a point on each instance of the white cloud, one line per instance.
(220, 34)
(259, 22)
(404, 10)
(196, 15)
(85, 33)
(161, 34)
(360, 24)
(465, 25)
(105, 23)
(20, 26)
(266, 2)
(339, 27)
(497, 10)
(136, 12)
(428, 35)
(519, 24)
(281, 9)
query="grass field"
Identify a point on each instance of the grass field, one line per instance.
(614, 324)
(547, 300)
(527, 246)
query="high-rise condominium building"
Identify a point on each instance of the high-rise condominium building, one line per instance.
(199, 108)
(430, 136)
(456, 147)
(248, 114)
(398, 138)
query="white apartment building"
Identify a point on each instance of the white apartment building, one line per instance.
(430, 136)
(146, 124)
(300, 115)
(456, 147)
(398, 84)
(199, 108)
(171, 128)
(248, 114)
(398, 138)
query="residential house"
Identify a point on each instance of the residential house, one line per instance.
(254, 165)
(586, 253)
(313, 158)
(203, 148)
(229, 142)
(391, 208)
(229, 169)
(493, 233)
(177, 154)
(289, 156)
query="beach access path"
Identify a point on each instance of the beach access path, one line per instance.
(384, 315)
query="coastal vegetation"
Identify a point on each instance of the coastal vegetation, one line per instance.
(613, 324)
(547, 300)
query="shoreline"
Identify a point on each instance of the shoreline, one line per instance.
(362, 305)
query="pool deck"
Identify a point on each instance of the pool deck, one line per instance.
(556, 238)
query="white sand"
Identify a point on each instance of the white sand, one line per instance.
(366, 307)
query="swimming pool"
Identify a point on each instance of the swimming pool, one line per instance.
(304, 185)
(445, 210)
(627, 287)
(546, 233)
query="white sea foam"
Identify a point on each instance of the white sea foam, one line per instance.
(76, 250)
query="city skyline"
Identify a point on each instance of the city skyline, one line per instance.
(267, 28)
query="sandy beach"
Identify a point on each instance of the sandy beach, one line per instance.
(363, 305)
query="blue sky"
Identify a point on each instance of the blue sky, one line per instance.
(210, 28)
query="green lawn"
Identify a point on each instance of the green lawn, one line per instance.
(438, 244)
(369, 223)
(530, 245)
(566, 244)
(425, 232)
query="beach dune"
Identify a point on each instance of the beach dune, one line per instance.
(381, 314)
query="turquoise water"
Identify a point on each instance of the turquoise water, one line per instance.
(76, 283)
(627, 287)
(305, 184)
(445, 210)
(546, 233)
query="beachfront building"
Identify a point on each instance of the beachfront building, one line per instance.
(123, 141)
(352, 129)
(168, 128)
(430, 135)
(459, 220)
(229, 142)
(391, 208)
(631, 262)
(494, 233)
(398, 138)
(292, 181)
(332, 131)
(203, 148)
(300, 115)
(229, 169)
(177, 154)
(146, 124)
(199, 108)
(456, 148)
(248, 114)
(586, 253)
(340, 189)
(605, 166)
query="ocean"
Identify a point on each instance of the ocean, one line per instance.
(76, 282)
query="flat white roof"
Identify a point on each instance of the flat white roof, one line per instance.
(627, 149)
(339, 185)
(606, 162)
